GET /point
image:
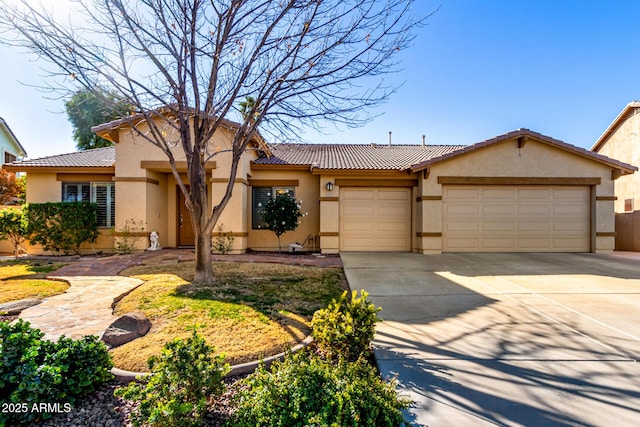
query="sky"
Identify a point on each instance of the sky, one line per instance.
(478, 69)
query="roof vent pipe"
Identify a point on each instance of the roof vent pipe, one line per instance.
(423, 139)
(389, 138)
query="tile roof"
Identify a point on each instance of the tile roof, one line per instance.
(97, 157)
(354, 156)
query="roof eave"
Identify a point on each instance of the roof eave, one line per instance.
(614, 125)
(510, 136)
(13, 138)
(12, 167)
(111, 130)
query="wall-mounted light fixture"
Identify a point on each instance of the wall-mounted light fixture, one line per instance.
(329, 186)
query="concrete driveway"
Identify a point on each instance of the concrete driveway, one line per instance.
(508, 339)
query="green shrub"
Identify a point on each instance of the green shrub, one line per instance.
(33, 370)
(126, 240)
(63, 227)
(223, 241)
(184, 379)
(13, 227)
(346, 327)
(305, 390)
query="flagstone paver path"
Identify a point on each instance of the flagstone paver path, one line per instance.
(86, 307)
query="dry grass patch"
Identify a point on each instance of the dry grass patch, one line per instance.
(23, 279)
(255, 310)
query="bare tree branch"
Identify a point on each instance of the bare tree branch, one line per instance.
(185, 65)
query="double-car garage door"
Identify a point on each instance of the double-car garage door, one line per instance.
(475, 218)
(515, 218)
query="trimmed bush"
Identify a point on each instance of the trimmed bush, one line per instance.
(33, 370)
(184, 379)
(346, 327)
(63, 227)
(305, 390)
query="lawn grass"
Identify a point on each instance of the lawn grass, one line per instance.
(24, 279)
(255, 309)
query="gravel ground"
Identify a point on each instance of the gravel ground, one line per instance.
(103, 409)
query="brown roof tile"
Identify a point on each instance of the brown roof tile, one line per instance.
(97, 157)
(353, 156)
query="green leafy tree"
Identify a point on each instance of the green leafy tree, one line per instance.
(87, 108)
(281, 214)
(13, 227)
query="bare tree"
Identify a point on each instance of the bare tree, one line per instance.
(185, 66)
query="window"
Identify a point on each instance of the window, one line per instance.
(628, 205)
(102, 194)
(9, 158)
(260, 197)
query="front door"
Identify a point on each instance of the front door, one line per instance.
(186, 237)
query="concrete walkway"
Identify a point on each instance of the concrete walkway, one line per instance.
(508, 339)
(84, 309)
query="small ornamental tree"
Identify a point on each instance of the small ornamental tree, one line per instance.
(281, 214)
(10, 187)
(13, 227)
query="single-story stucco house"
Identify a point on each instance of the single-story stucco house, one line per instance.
(621, 140)
(517, 192)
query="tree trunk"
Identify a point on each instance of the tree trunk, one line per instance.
(204, 263)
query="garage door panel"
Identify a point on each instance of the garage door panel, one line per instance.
(535, 219)
(392, 194)
(533, 194)
(534, 210)
(464, 243)
(461, 210)
(568, 193)
(492, 209)
(461, 225)
(533, 243)
(501, 244)
(534, 226)
(358, 194)
(497, 226)
(391, 211)
(498, 194)
(375, 219)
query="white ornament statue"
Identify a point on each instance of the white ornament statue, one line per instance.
(153, 238)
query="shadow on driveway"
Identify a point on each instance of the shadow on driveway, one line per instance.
(508, 339)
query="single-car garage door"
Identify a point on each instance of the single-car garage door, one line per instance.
(375, 219)
(515, 218)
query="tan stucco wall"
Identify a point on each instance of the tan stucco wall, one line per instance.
(624, 145)
(535, 159)
(43, 188)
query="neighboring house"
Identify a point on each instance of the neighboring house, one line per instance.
(518, 192)
(621, 140)
(11, 148)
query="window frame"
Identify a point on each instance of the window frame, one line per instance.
(272, 192)
(92, 186)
